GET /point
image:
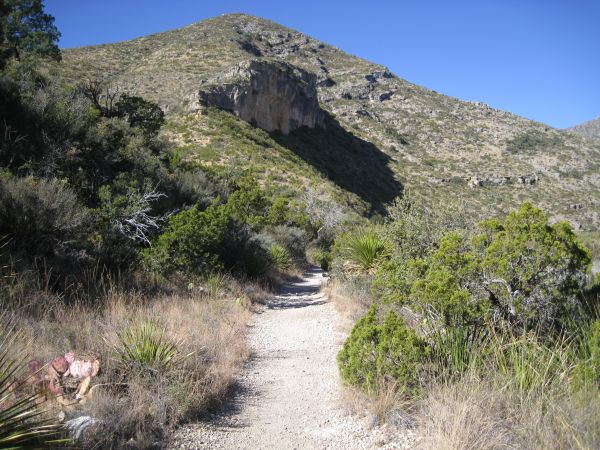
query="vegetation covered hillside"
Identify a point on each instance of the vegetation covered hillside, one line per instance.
(436, 146)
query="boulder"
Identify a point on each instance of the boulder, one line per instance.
(269, 94)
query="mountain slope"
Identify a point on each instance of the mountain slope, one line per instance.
(384, 134)
(590, 129)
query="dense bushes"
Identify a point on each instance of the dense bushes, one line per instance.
(521, 270)
(377, 352)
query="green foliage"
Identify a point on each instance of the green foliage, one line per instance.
(521, 270)
(320, 257)
(280, 257)
(26, 29)
(454, 350)
(360, 250)
(215, 284)
(22, 425)
(140, 113)
(145, 345)
(531, 141)
(191, 243)
(587, 371)
(248, 204)
(374, 352)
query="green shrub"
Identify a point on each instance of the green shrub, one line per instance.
(521, 270)
(374, 352)
(39, 213)
(191, 243)
(295, 240)
(144, 345)
(321, 258)
(280, 257)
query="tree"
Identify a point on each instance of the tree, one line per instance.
(140, 113)
(26, 28)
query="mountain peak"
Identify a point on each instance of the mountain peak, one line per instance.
(434, 144)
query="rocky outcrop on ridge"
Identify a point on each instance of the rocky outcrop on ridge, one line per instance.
(272, 95)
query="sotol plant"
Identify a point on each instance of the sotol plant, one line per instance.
(280, 257)
(362, 250)
(22, 424)
(145, 345)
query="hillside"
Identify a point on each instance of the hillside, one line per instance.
(382, 134)
(589, 129)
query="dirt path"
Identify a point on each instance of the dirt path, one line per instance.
(287, 396)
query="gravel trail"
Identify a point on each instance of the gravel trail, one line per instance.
(287, 396)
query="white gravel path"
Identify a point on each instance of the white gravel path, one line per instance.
(287, 396)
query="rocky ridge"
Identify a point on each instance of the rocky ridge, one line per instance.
(590, 129)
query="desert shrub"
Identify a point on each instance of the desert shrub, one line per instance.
(248, 204)
(280, 257)
(191, 243)
(532, 141)
(140, 113)
(39, 214)
(375, 352)
(294, 239)
(359, 251)
(252, 258)
(124, 223)
(521, 270)
(320, 257)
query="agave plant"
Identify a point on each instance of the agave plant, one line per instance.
(22, 423)
(146, 345)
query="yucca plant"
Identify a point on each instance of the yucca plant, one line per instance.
(145, 345)
(280, 257)
(363, 250)
(22, 423)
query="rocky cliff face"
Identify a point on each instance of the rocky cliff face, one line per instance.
(272, 95)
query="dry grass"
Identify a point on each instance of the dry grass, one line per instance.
(482, 414)
(138, 406)
(352, 300)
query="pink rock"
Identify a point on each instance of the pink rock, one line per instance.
(60, 364)
(83, 369)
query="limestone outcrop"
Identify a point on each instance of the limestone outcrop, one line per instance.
(272, 95)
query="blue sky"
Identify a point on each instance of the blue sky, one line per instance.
(536, 58)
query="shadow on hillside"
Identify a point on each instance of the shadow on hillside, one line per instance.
(352, 163)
